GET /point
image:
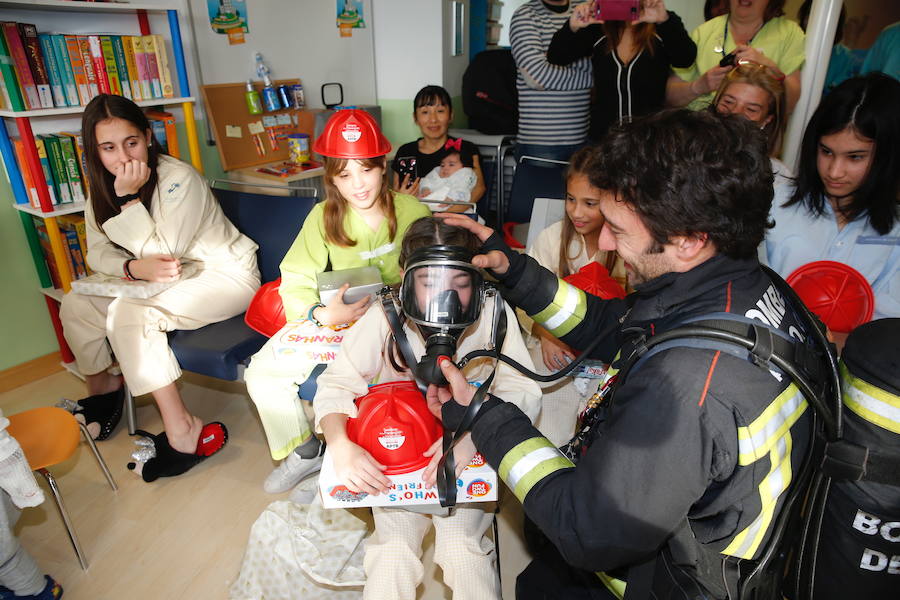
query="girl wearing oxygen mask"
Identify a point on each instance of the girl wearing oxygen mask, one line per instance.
(360, 223)
(444, 309)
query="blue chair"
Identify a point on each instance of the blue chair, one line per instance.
(222, 350)
(534, 178)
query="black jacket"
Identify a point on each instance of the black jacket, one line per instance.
(691, 457)
(623, 91)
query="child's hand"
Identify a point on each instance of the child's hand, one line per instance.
(356, 468)
(555, 353)
(338, 313)
(582, 16)
(130, 176)
(463, 452)
(156, 268)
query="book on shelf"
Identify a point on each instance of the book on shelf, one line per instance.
(47, 173)
(76, 222)
(99, 64)
(162, 62)
(12, 95)
(134, 80)
(57, 168)
(84, 45)
(73, 248)
(143, 66)
(25, 171)
(47, 251)
(36, 63)
(20, 62)
(79, 154)
(76, 62)
(53, 71)
(163, 126)
(73, 172)
(121, 65)
(68, 76)
(152, 66)
(109, 59)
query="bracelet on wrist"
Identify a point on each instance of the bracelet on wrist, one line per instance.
(310, 316)
(127, 269)
(127, 198)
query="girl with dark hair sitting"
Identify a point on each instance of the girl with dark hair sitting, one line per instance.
(149, 215)
(845, 204)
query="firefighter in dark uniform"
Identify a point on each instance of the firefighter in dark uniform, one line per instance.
(690, 463)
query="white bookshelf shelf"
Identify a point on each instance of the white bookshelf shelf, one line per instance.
(90, 7)
(75, 110)
(54, 293)
(66, 209)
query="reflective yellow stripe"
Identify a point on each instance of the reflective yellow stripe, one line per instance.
(873, 404)
(757, 439)
(529, 462)
(746, 543)
(615, 586)
(565, 311)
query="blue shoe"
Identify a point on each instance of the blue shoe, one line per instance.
(51, 591)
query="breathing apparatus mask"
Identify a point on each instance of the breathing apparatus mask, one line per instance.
(442, 293)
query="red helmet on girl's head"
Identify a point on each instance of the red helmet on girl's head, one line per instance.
(351, 133)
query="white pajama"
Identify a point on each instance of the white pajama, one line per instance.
(393, 553)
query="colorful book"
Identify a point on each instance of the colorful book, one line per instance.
(76, 63)
(76, 222)
(73, 249)
(134, 79)
(47, 250)
(109, 59)
(53, 71)
(11, 92)
(36, 63)
(73, 172)
(143, 66)
(84, 45)
(79, 154)
(152, 65)
(171, 135)
(45, 167)
(99, 64)
(23, 71)
(162, 62)
(57, 168)
(25, 170)
(121, 65)
(65, 67)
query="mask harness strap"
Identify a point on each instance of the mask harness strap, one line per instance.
(446, 472)
(390, 311)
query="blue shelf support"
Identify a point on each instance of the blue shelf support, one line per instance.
(12, 169)
(178, 49)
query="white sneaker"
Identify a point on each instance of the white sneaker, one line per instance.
(290, 472)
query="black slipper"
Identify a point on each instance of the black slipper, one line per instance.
(103, 409)
(169, 462)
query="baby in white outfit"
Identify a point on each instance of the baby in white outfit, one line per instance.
(450, 181)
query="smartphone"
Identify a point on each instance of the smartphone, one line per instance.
(727, 60)
(406, 165)
(617, 10)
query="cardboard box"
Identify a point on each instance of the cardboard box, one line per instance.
(477, 483)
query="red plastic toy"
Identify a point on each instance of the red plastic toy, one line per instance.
(351, 133)
(593, 278)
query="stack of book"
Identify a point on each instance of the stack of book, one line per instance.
(74, 242)
(47, 70)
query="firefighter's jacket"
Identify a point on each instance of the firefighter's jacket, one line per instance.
(691, 461)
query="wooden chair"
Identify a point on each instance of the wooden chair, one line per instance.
(49, 436)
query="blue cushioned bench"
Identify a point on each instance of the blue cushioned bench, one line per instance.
(222, 350)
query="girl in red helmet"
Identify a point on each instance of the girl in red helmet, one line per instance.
(360, 223)
(368, 355)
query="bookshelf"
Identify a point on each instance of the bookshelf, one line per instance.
(82, 13)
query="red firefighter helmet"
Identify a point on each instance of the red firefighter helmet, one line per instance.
(593, 278)
(265, 314)
(837, 293)
(395, 426)
(351, 133)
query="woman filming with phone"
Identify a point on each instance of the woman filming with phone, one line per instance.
(432, 113)
(633, 44)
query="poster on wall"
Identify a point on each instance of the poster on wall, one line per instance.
(350, 16)
(229, 17)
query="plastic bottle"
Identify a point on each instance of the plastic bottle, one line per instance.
(254, 106)
(269, 94)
